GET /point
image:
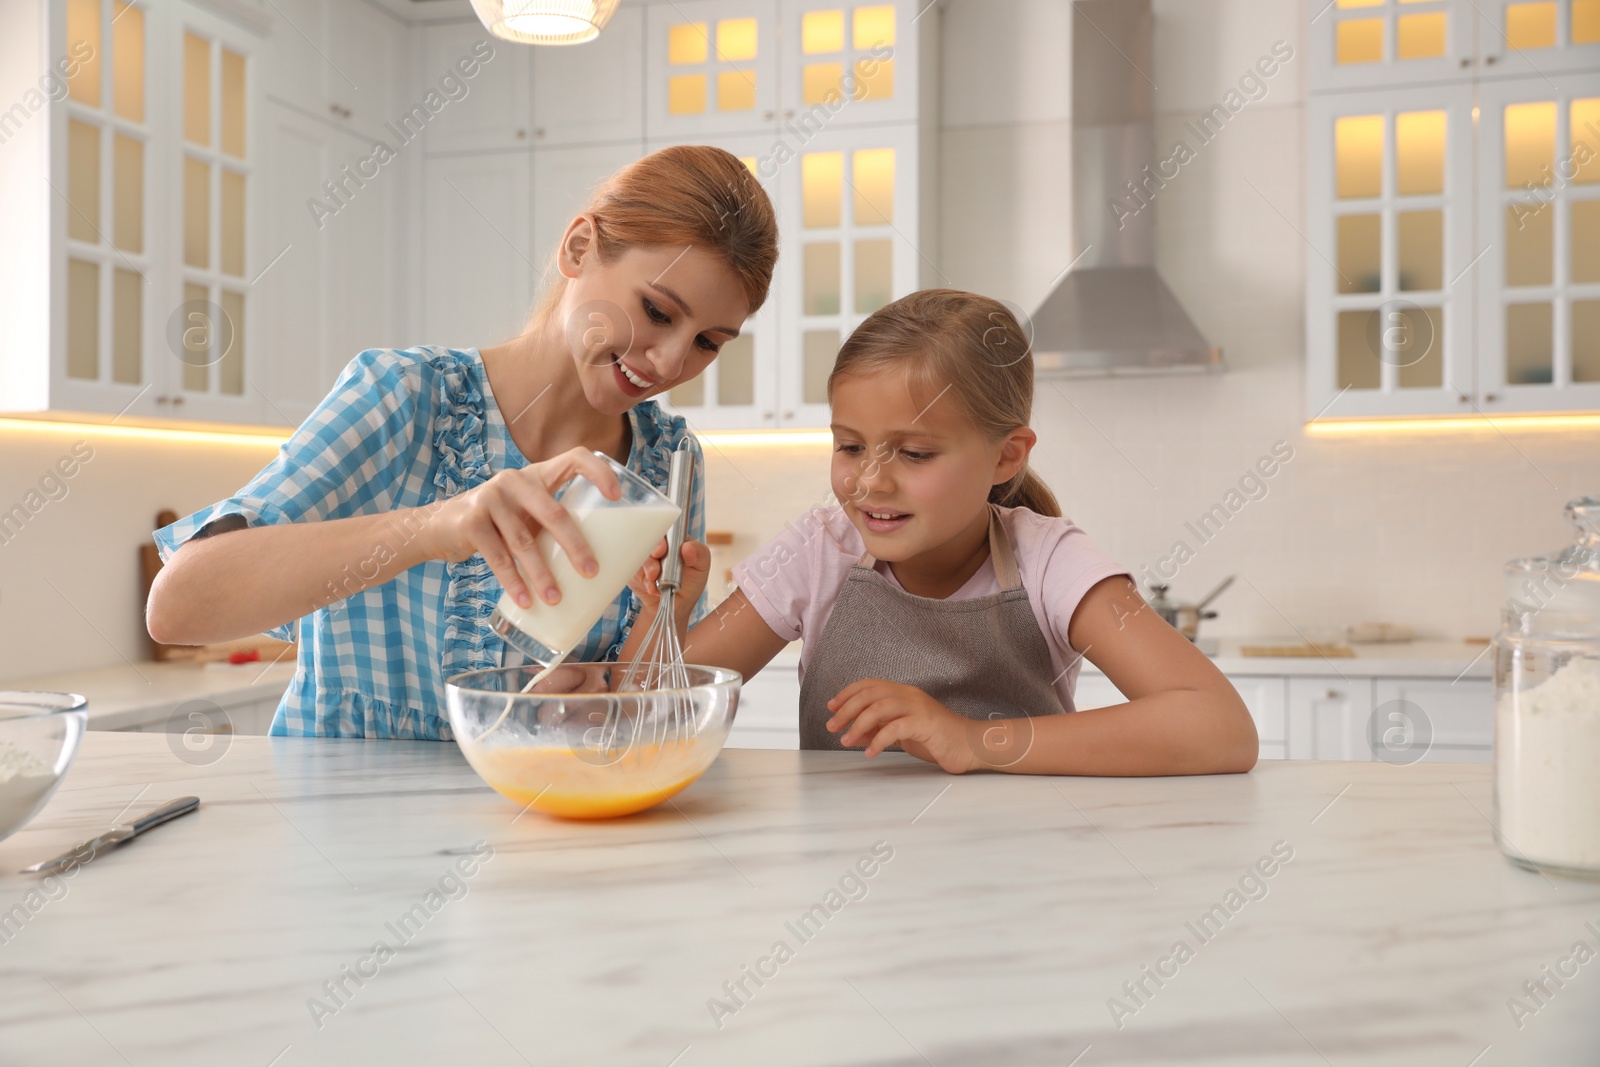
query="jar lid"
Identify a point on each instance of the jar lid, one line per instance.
(1564, 582)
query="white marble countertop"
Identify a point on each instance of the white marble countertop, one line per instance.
(1008, 915)
(137, 693)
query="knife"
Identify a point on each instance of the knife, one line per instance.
(115, 836)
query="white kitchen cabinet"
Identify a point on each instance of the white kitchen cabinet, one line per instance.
(1267, 699)
(1450, 722)
(563, 180)
(711, 68)
(478, 272)
(850, 63)
(340, 60)
(592, 93)
(1329, 718)
(1452, 177)
(496, 112)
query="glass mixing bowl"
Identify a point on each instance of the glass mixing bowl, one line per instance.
(39, 735)
(576, 747)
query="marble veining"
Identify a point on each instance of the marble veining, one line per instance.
(1009, 920)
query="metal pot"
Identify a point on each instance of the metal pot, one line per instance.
(1182, 616)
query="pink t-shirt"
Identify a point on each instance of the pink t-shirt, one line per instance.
(794, 579)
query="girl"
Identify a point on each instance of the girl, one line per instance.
(389, 522)
(944, 604)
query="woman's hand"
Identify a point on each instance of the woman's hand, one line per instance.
(501, 517)
(879, 714)
(691, 583)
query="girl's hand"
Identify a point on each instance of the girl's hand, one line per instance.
(691, 582)
(879, 714)
(501, 517)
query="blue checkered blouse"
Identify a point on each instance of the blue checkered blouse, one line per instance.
(402, 429)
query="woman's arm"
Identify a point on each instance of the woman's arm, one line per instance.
(245, 580)
(1182, 715)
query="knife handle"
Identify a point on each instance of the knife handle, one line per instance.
(170, 810)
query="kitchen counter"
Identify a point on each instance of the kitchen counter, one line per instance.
(1359, 912)
(145, 694)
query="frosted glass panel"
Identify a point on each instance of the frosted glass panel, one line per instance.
(821, 181)
(1585, 148)
(690, 394)
(127, 326)
(1419, 152)
(83, 25)
(1530, 143)
(1358, 367)
(687, 43)
(199, 344)
(196, 213)
(127, 191)
(127, 61)
(736, 371)
(686, 94)
(1427, 370)
(736, 90)
(818, 352)
(1585, 21)
(1421, 36)
(83, 319)
(1421, 249)
(1358, 154)
(1528, 343)
(1343, 4)
(1586, 340)
(1585, 243)
(83, 181)
(196, 89)
(1360, 41)
(874, 274)
(874, 26)
(736, 40)
(1529, 251)
(874, 79)
(874, 182)
(232, 223)
(230, 371)
(233, 117)
(821, 32)
(821, 295)
(1531, 25)
(817, 80)
(1360, 253)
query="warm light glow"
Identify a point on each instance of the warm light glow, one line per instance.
(545, 21)
(1452, 424)
(251, 438)
(765, 438)
(1531, 25)
(1530, 146)
(1358, 155)
(821, 32)
(1358, 41)
(736, 40)
(1421, 36)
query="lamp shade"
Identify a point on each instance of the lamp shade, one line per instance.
(545, 21)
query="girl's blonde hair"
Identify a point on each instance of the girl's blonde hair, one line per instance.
(969, 344)
(686, 195)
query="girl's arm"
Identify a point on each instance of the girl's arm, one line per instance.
(733, 636)
(1182, 715)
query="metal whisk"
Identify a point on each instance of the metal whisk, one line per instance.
(658, 664)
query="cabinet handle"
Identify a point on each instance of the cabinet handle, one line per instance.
(538, 131)
(522, 135)
(768, 116)
(767, 415)
(788, 416)
(1490, 398)
(789, 114)
(1465, 63)
(1333, 694)
(1463, 398)
(161, 399)
(177, 400)
(1490, 61)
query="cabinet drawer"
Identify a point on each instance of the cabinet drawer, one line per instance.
(1455, 714)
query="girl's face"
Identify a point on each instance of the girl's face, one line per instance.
(655, 317)
(913, 471)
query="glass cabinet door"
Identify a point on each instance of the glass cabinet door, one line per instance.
(710, 68)
(849, 200)
(1389, 270)
(738, 391)
(1522, 38)
(1358, 43)
(103, 361)
(848, 63)
(1539, 216)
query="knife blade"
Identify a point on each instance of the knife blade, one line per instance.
(88, 850)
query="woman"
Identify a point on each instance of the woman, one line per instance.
(389, 522)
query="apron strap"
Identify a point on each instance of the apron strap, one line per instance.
(1000, 554)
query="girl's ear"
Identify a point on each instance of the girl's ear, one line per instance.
(576, 244)
(1014, 450)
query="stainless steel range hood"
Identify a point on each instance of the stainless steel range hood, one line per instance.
(1112, 313)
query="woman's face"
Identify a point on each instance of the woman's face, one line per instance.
(651, 319)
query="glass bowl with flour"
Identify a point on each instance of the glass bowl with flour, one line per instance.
(1547, 706)
(39, 735)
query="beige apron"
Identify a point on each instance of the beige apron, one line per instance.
(983, 658)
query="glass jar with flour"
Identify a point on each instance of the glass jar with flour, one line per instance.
(1547, 705)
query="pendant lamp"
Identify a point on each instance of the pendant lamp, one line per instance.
(545, 21)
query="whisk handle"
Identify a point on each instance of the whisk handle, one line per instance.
(680, 481)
